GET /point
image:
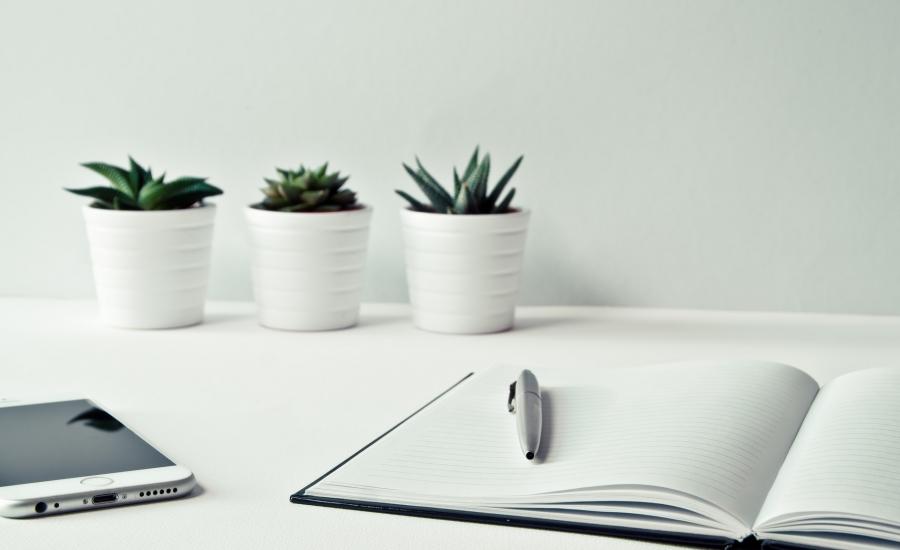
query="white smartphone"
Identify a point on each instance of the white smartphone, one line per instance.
(68, 455)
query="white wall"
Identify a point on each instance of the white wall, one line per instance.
(706, 154)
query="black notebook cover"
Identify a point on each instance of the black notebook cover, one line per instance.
(300, 497)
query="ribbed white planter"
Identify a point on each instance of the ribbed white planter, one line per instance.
(151, 267)
(308, 267)
(463, 271)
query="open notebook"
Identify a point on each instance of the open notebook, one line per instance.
(702, 453)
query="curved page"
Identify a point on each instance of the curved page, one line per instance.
(843, 473)
(704, 437)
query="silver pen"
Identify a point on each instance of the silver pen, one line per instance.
(525, 402)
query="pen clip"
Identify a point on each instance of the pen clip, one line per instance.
(511, 401)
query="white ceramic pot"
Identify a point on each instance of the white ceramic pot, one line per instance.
(463, 270)
(308, 267)
(151, 267)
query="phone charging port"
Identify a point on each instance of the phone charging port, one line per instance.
(105, 497)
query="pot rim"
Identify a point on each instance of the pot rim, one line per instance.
(363, 208)
(518, 212)
(174, 211)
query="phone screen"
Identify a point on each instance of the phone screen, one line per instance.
(68, 439)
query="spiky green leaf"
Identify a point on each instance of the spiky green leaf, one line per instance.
(149, 191)
(345, 197)
(116, 176)
(503, 207)
(306, 190)
(108, 197)
(313, 197)
(338, 183)
(439, 198)
(413, 203)
(273, 203)
(501, 183)
(186, 200)
(461, 204)
(470, 191)
(473, 164)
(177, 193)
(135, 177)
(479, 190)
(466, 203)
(300, 207)
(423, 173)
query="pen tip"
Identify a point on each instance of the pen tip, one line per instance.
(529, 455)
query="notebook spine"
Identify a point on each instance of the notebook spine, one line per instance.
(749, 543)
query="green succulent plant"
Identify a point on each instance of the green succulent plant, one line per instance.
(470, 192)
(308, 190)
(137, 189)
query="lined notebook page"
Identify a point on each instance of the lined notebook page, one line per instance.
(845, 458)
(715, 431)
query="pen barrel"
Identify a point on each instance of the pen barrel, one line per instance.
(529, 419)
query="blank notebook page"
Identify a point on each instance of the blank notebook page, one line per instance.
(844, 461)
(715, 431)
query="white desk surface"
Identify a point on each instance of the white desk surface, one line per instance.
(258, 414)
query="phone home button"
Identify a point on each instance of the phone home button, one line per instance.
(96, 481)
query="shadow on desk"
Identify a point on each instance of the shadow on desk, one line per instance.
(226, 320)
(540, 323)
(521, 323)
(380, 319)
(223, 319)
(196, 492)
(402, 319)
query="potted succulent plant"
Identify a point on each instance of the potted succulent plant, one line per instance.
(309, 236)
(464, 250)
(150, 245)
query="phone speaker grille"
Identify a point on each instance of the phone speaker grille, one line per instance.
(158, 492)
